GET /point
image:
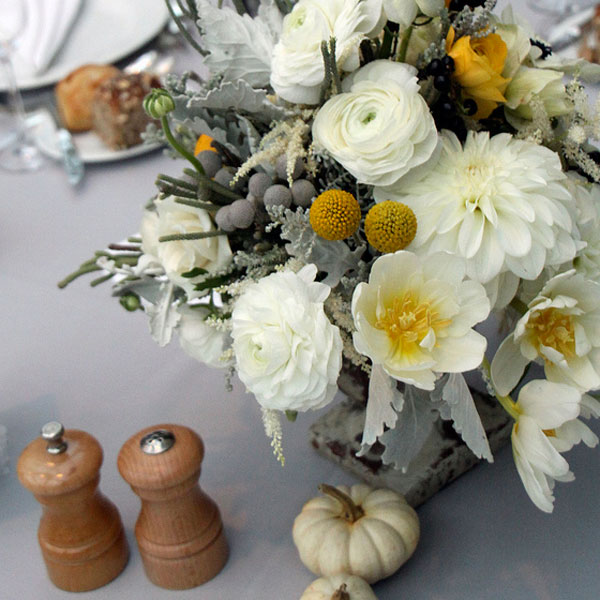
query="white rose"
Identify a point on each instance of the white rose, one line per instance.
(211, 254)
(199, 340)
(297, 69)
(405, 11)
(288, 353)
(382, 128)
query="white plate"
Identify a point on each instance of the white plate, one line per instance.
(104, 32)
(90, 147)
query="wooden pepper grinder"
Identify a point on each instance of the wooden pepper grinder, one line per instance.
(80, 532)
(179, 530)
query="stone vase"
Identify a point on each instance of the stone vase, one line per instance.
(442, 459)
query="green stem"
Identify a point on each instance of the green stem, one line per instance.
(81, 271)
(404, 44)
(196, 204)
(386, 45)
(239, 6)
(171, 190)
(177, 182)
(519, 306)
(177, 237)
(100, 280)
(214, 186)
(179, 148)
(506, 402)
(184, 31)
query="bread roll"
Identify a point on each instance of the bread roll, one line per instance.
(75, 92)
(118, 116)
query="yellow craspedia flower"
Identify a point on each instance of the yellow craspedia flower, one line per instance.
(203, 143)
(335, 215)
(478, 66)
(390, 226)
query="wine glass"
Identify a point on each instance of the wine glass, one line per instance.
(21, 154)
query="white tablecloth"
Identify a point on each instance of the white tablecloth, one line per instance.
(76, 356)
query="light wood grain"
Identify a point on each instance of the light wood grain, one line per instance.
(179, 530)
(80, 531)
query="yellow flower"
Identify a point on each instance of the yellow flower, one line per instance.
(390, 226)
(335, 215)
(478, 64)
(204, 142)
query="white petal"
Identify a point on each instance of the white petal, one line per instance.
(537, 450)
(534, 482)
(549, 404)
(457, 355)
(508, 365)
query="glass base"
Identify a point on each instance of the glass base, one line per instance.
(22, 156)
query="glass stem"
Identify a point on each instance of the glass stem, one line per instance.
(14, 95)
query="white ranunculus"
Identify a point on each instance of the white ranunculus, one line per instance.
(415, 317)
(561, 328)
(547, 425)
(381, 128)
(498, 202)
(201, 341)
(405, 11)
(288, 353)
(297, 69)
(211, 254)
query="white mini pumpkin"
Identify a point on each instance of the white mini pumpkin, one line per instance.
(357, 530)
(339, 587)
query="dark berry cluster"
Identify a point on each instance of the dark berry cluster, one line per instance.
(444, 110)
(441, 70)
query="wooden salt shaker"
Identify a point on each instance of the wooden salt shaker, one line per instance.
(80, 532)
(179, 530)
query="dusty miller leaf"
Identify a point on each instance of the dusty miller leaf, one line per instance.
(240, 47)
(413, 427)
(147, 288)
(384, 396)
(238, 96)
(163, 316)
(334, 258)
(457, 404)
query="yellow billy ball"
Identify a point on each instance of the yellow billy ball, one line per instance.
(390, 226)
(335, 215)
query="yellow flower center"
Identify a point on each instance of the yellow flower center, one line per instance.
(335, 215)
(553, 329)
(407, 321)
(390, 226)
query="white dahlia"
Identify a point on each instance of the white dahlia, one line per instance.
(498, 202)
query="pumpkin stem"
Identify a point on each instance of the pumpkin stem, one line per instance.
(341, 593)
(351, 511)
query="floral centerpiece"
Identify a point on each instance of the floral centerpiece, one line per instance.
(365, 183)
